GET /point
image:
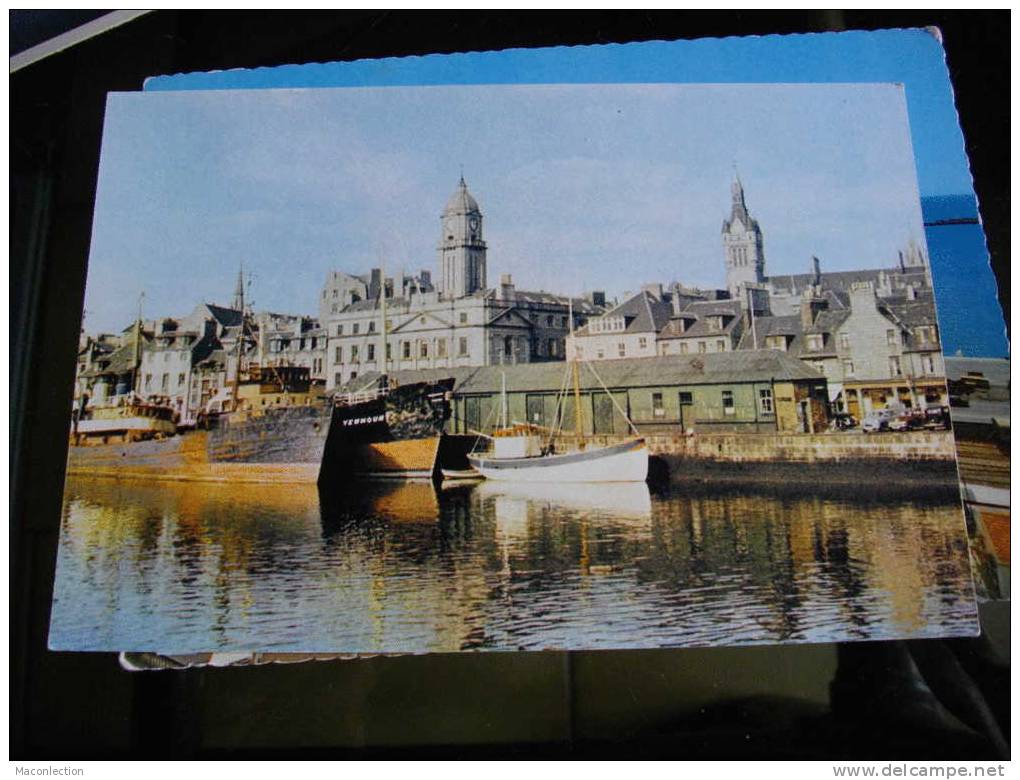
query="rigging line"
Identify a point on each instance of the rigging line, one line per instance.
(485, 424)
(560, 395)
(618, 408)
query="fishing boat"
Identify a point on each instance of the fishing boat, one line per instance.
(528, 453)
(393, 431)
(128, 419)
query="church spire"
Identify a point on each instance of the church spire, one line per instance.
(238, 303)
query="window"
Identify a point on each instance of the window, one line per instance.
(354, 353)
(720, 345)
(765, 405)
(683, 347)
(338, 356)
(844, 341)
(894, 366)
(423, 349)
(890, 337)
(814, 341)
(463, 317)
(462, 348)
(441, 348)
(776, 342)
(148, 381)
(508, 346)
(727, 402)
(340, 330)
(335, 292)
(406, 350)
(371, 327)
(371, 351)
(165, 383)
(180, 380)
(927, 364)
(552, 347)
(389, 352)
(549, 321)
(657, 408)
(621, 349)
(686, 399)
(599, 354)
(355, 328)
(354, 375)
(848, 368)
(643, 342)
(702, 348)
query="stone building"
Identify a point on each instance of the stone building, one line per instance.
(405, 323)
(290, 340)
(189, 358)
(872, 333)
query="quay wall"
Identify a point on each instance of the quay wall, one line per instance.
(800, 447)
(844, 465)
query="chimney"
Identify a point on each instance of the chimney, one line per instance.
(375, 284)
(903, 265)
(862, 296)
(506, 287)
(816, 263)
(810, 306)
(654, 288)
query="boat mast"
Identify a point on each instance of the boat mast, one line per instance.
(239, 301)
(578, 429)
(136, 379)
(382, 316)
(502, 401)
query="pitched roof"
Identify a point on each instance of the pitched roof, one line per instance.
(642, 313)
(223, 315)
(713, 368)
(703, 326)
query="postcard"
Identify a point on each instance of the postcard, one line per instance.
(434, 369)
(973, 331)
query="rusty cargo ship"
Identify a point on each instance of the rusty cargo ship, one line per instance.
(277, 434)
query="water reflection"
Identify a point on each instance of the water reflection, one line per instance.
(180, 567)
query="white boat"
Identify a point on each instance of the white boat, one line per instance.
(623, 462)
(522, 453)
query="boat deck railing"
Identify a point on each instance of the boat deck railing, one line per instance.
(360, 397)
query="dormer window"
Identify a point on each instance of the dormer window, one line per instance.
(814, 341)
(775, 342)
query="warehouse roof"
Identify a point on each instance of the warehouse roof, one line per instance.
(712, 368)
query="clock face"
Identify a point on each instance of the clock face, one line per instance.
(473, 223)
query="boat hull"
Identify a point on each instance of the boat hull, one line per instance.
(282, 445)
(398, 434)
(625, 462)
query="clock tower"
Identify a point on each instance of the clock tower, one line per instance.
(461, 248)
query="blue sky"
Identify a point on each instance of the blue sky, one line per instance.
(582, 186)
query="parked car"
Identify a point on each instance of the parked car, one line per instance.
(937, 418)
(877, 420)
(842, 421)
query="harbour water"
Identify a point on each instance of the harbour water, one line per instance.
(189, 567)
